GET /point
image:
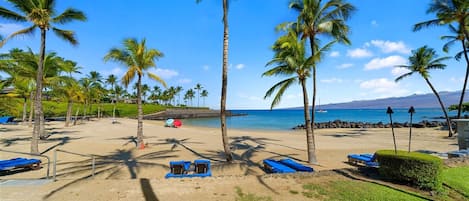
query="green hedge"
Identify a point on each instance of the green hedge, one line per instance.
(422, 170)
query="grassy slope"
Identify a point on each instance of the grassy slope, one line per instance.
(458, 179)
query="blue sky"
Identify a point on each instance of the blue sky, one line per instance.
(190, 36)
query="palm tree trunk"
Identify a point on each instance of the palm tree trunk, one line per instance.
(224, 134)
(310, 144)
(140, 143)
(76, 116)
(313, 102)
(38, 115)
(461, 100)
(31, 109)
(25, 107)
(69, 113)
(450, 128)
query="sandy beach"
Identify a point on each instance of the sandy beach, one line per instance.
(124, 172)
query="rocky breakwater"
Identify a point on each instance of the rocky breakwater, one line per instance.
(349, 124)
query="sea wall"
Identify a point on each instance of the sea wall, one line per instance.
(347, 124)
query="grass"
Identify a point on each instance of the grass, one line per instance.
(354, 190)
(458, 179)
(250, 197)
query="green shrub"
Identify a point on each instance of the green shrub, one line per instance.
(422, 170)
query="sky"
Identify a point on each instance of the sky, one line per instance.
(191, 34)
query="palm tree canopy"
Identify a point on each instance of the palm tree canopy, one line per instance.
(421, 61)
(447, 11)
(137, 57)
(42, 15)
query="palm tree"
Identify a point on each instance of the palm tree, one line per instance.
(421, 61)
(316, 19)
(41, 13)
(112, 80)
(204, 94)
(224, 133)
(145, 89)
(189, 95)
(178, 93)
(139, 59)
(448, 12)
(198, 87)
(290, 59)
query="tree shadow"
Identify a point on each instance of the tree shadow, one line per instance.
(3, 129)
(11, 141)
(182, 143)
(147, 190)
(353, 134)
(62, 141)
(129, 139)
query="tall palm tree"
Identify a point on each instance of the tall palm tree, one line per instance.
(145, 89)
(290, 60)
(204, 94)
(189, 96)
(224, 132)
(321, 19)
(42, 15)
(448, 12)
(139, 59)
(421, 61)
(112, 80)
(178, 93)
(198, 87)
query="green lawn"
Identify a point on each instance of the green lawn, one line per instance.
(458, 179)
(354, 190)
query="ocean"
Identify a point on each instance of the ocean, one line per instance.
(287, 119)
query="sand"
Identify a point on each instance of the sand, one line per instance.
(124, 172)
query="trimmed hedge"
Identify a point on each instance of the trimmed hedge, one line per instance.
(422, 170)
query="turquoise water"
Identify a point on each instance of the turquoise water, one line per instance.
(286, 119)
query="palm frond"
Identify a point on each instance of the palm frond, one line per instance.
(66, 35)
(157, 78)
(426, 24)
(69, 15)
(11, 15)
(280, 87)
(404, 76)
(128, 77)
(27, 31)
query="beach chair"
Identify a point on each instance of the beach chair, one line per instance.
(202, 168)
(272, 166)
(295, 165)
(459, 153)
(178, 169)
(6, 120)
(368, 160)
(20, 163)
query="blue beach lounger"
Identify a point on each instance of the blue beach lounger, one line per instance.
(178, 169)
(202, 168)
(272, 166)
(295, 165)
(6, 120)
(16, 163)
(368, 160)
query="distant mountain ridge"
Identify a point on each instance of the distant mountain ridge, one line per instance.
(418, 101)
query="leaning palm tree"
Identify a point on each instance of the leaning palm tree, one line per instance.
(327, 19)
(42, 15)
(448, 12)
(112, 80)
(421, 61)
(138, 58)
(224, 83)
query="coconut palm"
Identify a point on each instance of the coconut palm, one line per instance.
(139, 59)
(321, 19)
(198, 87)
(291, 60)
(178, 93)
(224, 133)
(42, 15)
(189, 95)
(421, 61)
(145, 89)
(112, 80)
(204, 94)
(448, 12)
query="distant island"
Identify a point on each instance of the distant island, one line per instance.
(420, 101)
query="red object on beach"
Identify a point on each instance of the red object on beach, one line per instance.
(177, 123)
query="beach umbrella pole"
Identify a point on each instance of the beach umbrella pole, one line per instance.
(389, 111)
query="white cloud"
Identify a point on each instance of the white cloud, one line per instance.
(456, 80)
(378, 63)
(7, 29)
(184, 81)
(332, 80)
(334, 54)
(166, 73)
(359, 53)
(344, 66)
(389, 46)
(374, 23)
(383, 87)
(240, 66)
(398, 71)
(206, 67)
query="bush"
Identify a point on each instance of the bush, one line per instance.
(422, 170)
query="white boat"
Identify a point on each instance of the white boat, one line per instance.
(319, 110)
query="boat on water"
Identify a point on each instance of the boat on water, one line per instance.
(319, 110)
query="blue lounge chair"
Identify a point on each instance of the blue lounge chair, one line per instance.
(202, 168)
(178, 169)
(6, 120)
(368, 160)
(272, 166)
(459, 153)
(295, 165)
(17, 163)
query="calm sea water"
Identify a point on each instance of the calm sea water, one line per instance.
(286, 119)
